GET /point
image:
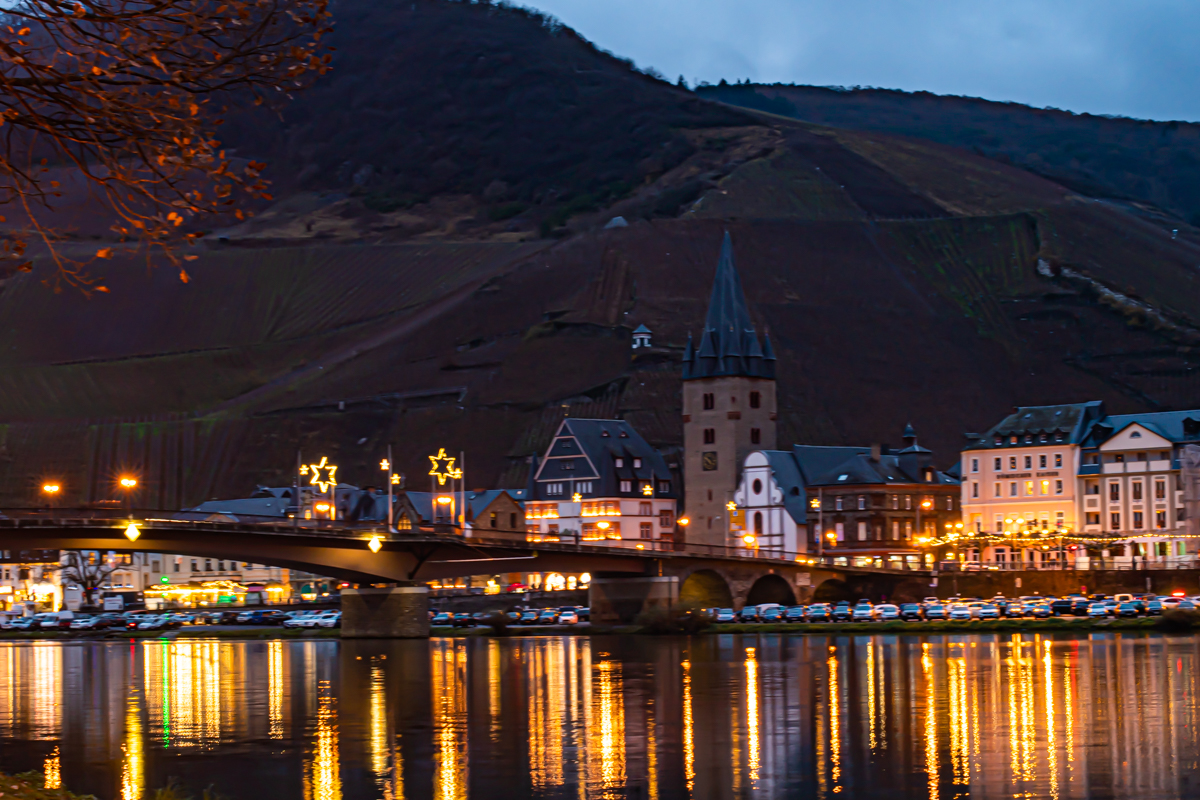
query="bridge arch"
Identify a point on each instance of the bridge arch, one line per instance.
(831, 591)
(705, 588)
(771, 588)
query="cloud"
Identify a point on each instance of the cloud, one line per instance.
(1102, 56)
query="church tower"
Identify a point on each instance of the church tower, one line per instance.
(728, 405)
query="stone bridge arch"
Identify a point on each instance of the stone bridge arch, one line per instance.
(771, 588)
(705, 588)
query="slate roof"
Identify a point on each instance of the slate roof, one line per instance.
(592, 446)
(1072, 420)
(729, 346)
(786, 472)
(1174, 426)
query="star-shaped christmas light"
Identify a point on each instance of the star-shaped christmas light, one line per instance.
(443, 467)
(324, 474)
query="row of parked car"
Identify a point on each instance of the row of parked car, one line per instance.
(961, 609)
(151, 621)
(565, 615)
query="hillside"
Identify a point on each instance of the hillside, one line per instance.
(900, 279)
(1156, 163)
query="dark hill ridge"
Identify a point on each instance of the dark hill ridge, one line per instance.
(901, 280)
(1157, 163)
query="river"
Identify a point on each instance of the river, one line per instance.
(719, 716)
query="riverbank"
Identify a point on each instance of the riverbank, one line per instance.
(189, 632)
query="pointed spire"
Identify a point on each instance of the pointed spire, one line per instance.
(729, 345)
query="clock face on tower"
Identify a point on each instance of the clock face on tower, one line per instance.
(708, 461)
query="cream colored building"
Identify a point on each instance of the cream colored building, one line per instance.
(1072, 469)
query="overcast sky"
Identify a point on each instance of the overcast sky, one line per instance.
(1139, 58)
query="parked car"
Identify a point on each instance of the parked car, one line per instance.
(988, 611)
(1039, 610)
(885, 612)
(568, 618)
(794, 614)
(1127, 609)
(440, 618)
(842, 612)
(1080, 606)
(1186, 605)
(748, 614)
(726, 615)
(332, 619)
(529, 618)
(910, 611)
(935, 612)
(863, 612)
(463, 620)
(1014, 609)
(959, 612)
(1097, 610)
(19, 624)
(514, 617)
(1155, 608)
(90, 623)
(548, 616)
(1060, 606)
(773, 614)
(584, 613)
(818, 612)
(306, 619)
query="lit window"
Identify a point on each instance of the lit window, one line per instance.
(618, 463)
(1045, 487)
(1160, 519)
(1028, 487)
(837, 504)
(1058, 487)
(1058, 459)
(862, 502)
(1012, 462)
(626, 487)
(637, 463)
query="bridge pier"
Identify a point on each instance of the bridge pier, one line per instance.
(618, 601)
(397, 612)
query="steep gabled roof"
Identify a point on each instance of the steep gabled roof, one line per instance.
(728, 345)
(594, 445)
(1073, 420)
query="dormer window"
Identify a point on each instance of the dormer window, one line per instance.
(568, 463)
(618, 463)
(637, 463)
(624, 435)
(604, 434)
(1135, 435)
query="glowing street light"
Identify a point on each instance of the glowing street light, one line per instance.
(132, 533)
(375, 544)
(51, 488)
(128, 482)
(748, 539)
(684, 522)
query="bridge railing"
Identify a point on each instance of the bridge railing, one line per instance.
(155, 518)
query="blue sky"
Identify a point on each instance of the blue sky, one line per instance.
(1138, 59)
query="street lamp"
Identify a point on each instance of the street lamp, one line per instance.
(51, 491)
(375, 544)
(128, 484)
(132, 533)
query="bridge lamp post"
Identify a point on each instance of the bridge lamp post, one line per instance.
(128, 484)
(375, 544)
(51, 491)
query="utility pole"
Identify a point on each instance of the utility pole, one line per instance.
(820, 523)
(296, 490)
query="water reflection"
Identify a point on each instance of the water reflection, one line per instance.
(712, 717)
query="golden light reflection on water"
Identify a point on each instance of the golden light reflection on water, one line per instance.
(52, 770)
(751, 716)
(324, 780)
(450, 719)
(689, 734)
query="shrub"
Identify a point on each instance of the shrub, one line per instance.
(677, 620)
(1179, 620)
(498, 622)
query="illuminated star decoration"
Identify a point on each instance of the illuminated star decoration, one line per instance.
(323, 474)
(648, 490)
(576, 498)
(443, 467)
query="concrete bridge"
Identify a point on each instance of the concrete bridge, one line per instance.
(391, 568)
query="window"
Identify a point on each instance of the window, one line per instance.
(512, 520)
(626, 487)
(1012, 489)
(1137, 490)
(645, 509)
(208, 565)
(554, 488)
(1012, 462)
(895, 529)
(709, 402)
(1160, 490)
(1042, 462)
(862, 531)
(895, 502)
(996, 487)
(664, 486)
(584, 488)
(1058, 459)
(1058, 487)
(1028, 487)
(1114, 492)
(758, 523)
(862, 502)
(996, 464)
(1028, 462)
(646, 530)
(665, 519)
(1045, 487)
(600, 508)
(618, 463)
(755, 436)
(710, 436)
(1137, 520)
(908, 528)
(837, 504)
(755, 400)
(949, 503)
(1092, 518)
(974, 465)
(1160, 519)
(1114, 521)
(974, 489)
(637, 463)
(568, 463)
(177, 566)
(908, 502)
